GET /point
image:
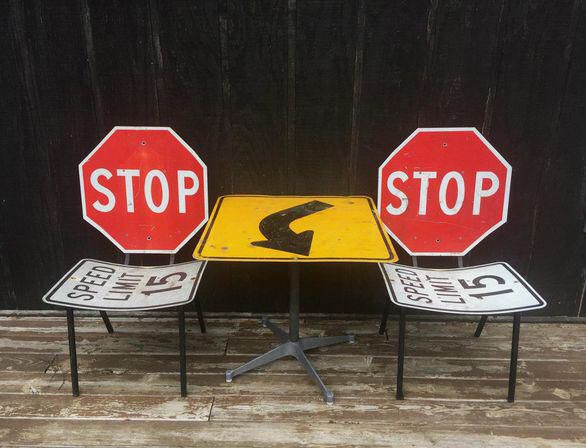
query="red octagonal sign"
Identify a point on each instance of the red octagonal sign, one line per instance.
(443, 190)
(145, 189)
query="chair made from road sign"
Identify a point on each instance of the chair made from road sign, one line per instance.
(114, 169)
(423, 167)
(131, 288)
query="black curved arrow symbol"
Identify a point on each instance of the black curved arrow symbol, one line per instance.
(279, 235)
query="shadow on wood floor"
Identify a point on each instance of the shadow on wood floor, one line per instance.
(455, 385)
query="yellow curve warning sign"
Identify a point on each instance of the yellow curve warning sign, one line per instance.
(300, 228)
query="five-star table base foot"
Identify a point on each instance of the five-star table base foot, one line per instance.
(296, 349)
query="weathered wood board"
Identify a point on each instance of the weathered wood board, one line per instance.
(455, 384)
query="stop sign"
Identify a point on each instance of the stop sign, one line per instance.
(443, 190)
(145, 189)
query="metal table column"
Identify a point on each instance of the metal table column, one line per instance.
(291, 343)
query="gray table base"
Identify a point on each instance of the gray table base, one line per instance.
(291, 343)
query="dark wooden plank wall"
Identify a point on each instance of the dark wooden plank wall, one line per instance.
(292, 96)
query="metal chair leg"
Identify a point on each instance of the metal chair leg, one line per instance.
(202, 323)
(401, 357)
(107, 322)
(514, 357)
(480, 326)
(383, 321)
(182, 357)
(72, 352)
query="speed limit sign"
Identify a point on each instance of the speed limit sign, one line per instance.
(494, 288)
(100, 285)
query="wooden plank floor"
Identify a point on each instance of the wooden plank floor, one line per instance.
(455, 385)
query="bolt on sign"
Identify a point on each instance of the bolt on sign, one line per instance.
(99, 285)
(300, 228)
(494, 288)
(145, 189)
(443, 190)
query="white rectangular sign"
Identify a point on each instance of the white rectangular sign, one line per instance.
(99, 285)
(494, 288)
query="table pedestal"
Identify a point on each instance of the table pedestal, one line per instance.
(291, 343)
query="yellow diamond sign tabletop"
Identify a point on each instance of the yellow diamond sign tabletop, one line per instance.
(295, 228)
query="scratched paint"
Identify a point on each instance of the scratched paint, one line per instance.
(301, 228)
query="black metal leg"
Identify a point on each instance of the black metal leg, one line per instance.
(202, 322)
(182, 357)
(480, 326)
(401, 357)
(72, 352)
(383, 321)
(293, 302)
(107, 322)
(514, 357)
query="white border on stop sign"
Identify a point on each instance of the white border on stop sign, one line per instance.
(189, 148)
(485, 234)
